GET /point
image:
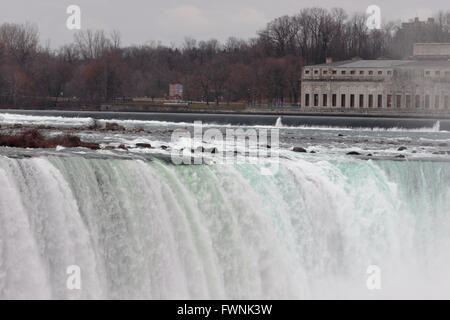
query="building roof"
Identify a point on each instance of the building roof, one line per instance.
(386, 64)
(375, 63)
(365, 63)
(427, 64)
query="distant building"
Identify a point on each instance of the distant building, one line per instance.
(422, 82)
(176, 91)
(416, 23)
(433, 51)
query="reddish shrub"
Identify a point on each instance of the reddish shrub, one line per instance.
(34, 139)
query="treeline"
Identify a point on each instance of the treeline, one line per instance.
(96, 68)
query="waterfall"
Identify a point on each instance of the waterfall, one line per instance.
(437, 126)
(150, 229)
(279, 123)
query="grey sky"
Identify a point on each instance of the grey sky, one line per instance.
(170, 21)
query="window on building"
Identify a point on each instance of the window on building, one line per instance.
(399, 101)
(306, 71)
(352, 72)
(343, 100)
(343, 72)
(389, 100)
(316, 100)
(447, 73)
(370, 73)
(352, 100)
(316, 71)
(307, 100)
(325, 100)
(408, 101)
(427, 73)
(370, 100)
(334, 72)
(389, 72)
(325, 71)
(417, 101)
(436, 102)
(334, 100)
(380, 72)
(437, 72)
(446, 102)
(427, 101)
(361, 100)
(361, 72)
(380, 101)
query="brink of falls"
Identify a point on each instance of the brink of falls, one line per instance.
(150, 229)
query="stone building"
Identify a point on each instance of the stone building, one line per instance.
(421, 82)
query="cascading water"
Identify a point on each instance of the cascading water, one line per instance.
(150, 229)
(279, 123)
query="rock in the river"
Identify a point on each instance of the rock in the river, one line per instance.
(143, 145)
(402, 148)
(212, 150)
(137, 130)
(112, 126)
(353, 153)
(298, 149)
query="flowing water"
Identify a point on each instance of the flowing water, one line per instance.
(142, 227)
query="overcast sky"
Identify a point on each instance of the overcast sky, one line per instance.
(170, 21)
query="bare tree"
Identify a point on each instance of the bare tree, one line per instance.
(20, 41)
(92, 44)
